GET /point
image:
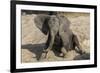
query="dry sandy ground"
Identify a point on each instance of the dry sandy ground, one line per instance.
(33, 40)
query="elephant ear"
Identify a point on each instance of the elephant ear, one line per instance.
(41, 22)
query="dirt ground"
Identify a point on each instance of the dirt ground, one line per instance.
(33, 40)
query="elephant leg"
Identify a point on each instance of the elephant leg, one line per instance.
(62, 35)
(77, 44)
(49, 44)
(44, 53)
(63, 52)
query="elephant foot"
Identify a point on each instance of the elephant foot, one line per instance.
(43, 56)
(61, 54)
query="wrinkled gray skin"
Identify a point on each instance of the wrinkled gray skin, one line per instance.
(58, 28)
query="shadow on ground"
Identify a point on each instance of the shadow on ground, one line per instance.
(37, 49)
(85, 56)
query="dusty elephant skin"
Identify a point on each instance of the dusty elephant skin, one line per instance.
(59, 33)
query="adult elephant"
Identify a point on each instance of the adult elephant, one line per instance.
(58, 29)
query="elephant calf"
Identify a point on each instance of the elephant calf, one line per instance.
(58, 29)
